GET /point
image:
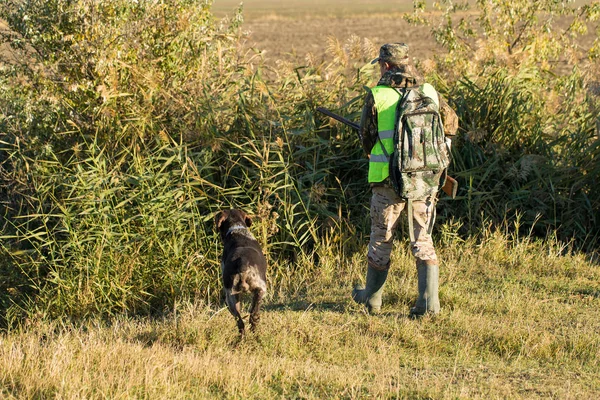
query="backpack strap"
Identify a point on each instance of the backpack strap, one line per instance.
(411, 225)
(401, 102)
(385, 153)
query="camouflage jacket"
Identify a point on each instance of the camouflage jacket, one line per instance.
(368, 121)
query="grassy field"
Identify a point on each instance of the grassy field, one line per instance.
(291, 30)
(520, 320)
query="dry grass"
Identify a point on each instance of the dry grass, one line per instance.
(519, 320)
(291, 31)
(297, 37)
(259, 8)
(5, 51)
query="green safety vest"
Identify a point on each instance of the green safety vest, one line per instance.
(386, 99)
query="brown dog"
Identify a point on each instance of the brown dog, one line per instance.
(243, 265)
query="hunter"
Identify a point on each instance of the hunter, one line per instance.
(386, 206)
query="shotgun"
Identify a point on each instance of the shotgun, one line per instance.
(343, 120)
(450, 186)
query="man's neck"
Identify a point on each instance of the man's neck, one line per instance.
(394, 78)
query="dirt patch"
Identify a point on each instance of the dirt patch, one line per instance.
(6, 53)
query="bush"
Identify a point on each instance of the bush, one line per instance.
(127, 125)
(522, 86)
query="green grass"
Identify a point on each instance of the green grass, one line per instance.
(519, 320)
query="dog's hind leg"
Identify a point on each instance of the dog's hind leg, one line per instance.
(233, 303)
(255, 308)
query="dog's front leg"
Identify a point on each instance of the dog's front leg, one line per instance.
(233, 303)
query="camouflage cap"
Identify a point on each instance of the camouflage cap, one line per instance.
(395, 53)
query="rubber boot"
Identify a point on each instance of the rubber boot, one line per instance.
(370, 295)
(428, 301)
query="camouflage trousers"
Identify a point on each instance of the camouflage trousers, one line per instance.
(386, 208)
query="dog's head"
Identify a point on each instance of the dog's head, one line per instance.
(227, 219)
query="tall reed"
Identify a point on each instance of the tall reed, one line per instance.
(127, 125)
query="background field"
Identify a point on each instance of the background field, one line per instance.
(290, 31)
(311, 8)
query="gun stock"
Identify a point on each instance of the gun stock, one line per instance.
(450, 187)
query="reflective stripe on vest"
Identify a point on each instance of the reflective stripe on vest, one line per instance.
(386, 99)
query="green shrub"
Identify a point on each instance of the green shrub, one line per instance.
(523, 88)
(126, 126)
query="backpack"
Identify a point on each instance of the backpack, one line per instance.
(420, 155)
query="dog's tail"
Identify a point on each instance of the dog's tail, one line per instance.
(239, 284)
(248, 281)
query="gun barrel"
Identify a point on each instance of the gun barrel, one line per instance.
(343, 120)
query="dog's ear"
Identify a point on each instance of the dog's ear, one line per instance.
(221, 216)
(247, 220)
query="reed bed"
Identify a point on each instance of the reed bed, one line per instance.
(126, 125)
